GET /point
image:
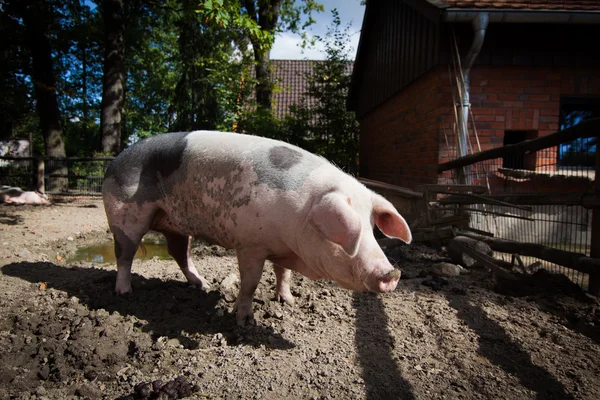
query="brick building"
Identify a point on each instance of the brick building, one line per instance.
(526, 63)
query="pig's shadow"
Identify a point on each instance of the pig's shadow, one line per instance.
(9, 219)
(169, 307)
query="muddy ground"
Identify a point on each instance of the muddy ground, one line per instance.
(64, 333)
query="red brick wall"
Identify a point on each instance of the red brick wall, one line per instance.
(398, 140)
(514, 98)
(505, 98)
(404, 139)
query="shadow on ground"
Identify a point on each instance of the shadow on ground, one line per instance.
(9, 219)
(380, 372)
(500, 349)
(169, 307)
(557, 295)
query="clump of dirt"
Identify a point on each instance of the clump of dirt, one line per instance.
(65, 334)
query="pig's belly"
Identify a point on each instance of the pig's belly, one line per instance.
(217, 217)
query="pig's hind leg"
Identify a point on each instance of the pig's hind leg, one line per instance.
(284, 276)
(128, 223)
(178, 247)
(126, 244)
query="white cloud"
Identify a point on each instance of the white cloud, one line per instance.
(287, 46)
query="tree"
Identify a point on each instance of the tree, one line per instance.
(260, 21)
(273, 16)
(113, 93)
(324, 126)
(79, 62)
(16, 94)
(35, 16)
(202, 50)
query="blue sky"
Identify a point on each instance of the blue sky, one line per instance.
(287, 45)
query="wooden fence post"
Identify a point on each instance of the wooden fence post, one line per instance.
(594, 283)
(39, 184)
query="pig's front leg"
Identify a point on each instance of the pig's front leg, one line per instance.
(284, 276)
(251, 266)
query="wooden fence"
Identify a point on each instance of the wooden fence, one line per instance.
(570, 192)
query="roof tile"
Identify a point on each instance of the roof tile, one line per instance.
(290, 77)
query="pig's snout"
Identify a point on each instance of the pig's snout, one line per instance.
(388, 282)
(383, 283)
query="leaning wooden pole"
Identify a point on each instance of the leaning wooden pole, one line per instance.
(568, 259)
(584, 129)
(594, 283)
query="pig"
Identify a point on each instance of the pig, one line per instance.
(15, 195)
(266, 199)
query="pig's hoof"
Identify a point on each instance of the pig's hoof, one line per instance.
(123, 289)
(198, 281)
(246, 320)
(286, 298)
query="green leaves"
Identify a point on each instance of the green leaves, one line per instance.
(325, 126)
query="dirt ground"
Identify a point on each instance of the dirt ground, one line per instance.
(65, 334)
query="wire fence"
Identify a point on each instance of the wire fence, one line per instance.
(565, 171)
(59, 178)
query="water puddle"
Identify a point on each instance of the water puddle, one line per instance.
(103, 253)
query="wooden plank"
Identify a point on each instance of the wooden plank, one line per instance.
(586, 200)
(568, 259)
(393, 188)
(452, 219)
(488, 212)
(527, 174)
(478, 231)
(489, 262)
(453, 188)
(479, 199)
(584, 129)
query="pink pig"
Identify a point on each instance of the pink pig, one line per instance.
(264, 198)
(15, 195)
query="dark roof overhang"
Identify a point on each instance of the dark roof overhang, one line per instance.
(457, 15)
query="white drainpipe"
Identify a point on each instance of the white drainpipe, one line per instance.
(480, 23)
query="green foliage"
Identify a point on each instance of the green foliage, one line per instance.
(16, 105)
(323, 125)
(261, 122)
(152, 68)
(188, 66)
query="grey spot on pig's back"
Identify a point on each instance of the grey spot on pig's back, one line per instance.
(144, 163)
(285, 168)
(284, 158)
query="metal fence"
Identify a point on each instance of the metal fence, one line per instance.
(57, 177)
(551, 181)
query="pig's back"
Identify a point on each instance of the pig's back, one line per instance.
(237, 188)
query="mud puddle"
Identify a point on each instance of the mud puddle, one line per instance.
(104, 252)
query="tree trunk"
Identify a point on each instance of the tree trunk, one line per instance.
(84, 88)
(113, 93)
(35, 19)
(266, 14)
(264, 90)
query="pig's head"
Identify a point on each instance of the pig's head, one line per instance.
(344, 248)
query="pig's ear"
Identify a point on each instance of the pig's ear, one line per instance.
(389, 221)
(333, 218)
